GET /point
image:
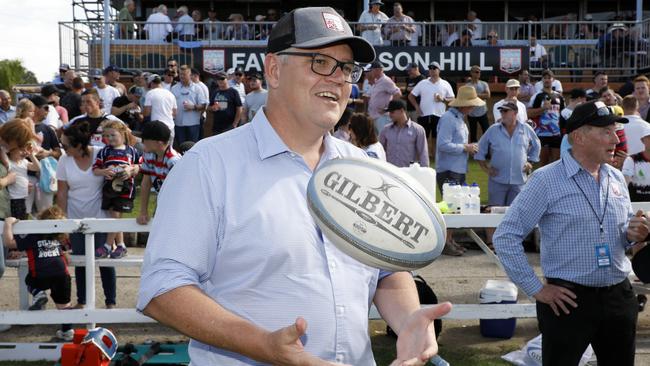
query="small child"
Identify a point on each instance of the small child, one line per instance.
(119, 162)
(159, 159)
(48, 265)
(19, 161)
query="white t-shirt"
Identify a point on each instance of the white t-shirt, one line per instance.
(162, 103)
(376, 151)
(240, 89)
(52, 119)
(19, 189)
(522, 114)
(556, 85)
(633, 130)
(107, 95)
(255, 101)
(537, 52)
(155, 31)
(426, 90)
(373, 35)
(84, 188)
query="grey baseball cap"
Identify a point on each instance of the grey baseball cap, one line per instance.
(316, 27)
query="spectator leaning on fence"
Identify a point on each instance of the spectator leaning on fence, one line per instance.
(370, 23)
(248, 239)
(399, 28)
(158, 25)
(158, 160)
(7, 111)
(79, 195)
(214, 29)
(125, 17)
(586, 224)
(538, 56)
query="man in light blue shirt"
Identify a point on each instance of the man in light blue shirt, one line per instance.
(512, 147)
(7, 111)
(235, 260)
(586, 222)
(190, 104)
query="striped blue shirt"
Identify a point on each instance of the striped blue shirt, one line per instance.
(450, 144)
(508, 154)
(232, 219)
(568, 226)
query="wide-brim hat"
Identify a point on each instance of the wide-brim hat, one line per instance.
(467, 98)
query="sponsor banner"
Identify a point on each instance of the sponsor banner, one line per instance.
(455, 61)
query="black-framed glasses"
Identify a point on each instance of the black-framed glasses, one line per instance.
(325, 65)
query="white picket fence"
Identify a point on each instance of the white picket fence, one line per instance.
(90, 315)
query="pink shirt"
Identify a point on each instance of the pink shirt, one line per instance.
(381, 93)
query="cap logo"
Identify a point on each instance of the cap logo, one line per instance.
(599, 105)
(333, 22)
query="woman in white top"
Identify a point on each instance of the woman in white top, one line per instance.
(363, 135)
(80, 196)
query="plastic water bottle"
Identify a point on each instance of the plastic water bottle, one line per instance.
(475, 200)
(466, 204)
(458, 199)
(425, 176)
(445, 191)
(438, 361)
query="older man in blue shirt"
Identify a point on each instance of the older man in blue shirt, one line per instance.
(586, 222)
(512, 147)
(7, 111)
(235, 260)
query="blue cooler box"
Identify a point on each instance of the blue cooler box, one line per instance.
(498, 292)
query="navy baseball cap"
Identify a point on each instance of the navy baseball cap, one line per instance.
(316, 27)
(593, 114)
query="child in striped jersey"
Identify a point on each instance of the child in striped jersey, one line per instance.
(119, 162)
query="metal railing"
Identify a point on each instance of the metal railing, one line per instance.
(574, 46)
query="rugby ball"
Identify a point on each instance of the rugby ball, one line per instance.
(376, 213)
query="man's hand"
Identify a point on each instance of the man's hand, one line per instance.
(143, 219)
(637, 230)
(416, 342)
(287, 348)
(528, 168)
(471, 148)
(10, 178)
(556, 296)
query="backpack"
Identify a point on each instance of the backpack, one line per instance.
(47, 181)
(427, 297)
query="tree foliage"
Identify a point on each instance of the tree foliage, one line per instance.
(13, 72)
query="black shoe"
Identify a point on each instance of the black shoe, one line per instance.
(642, 299)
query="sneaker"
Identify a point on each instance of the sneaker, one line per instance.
(451, 250)
(39, 301)
(102, 252)
(118, 252)
(67, 336)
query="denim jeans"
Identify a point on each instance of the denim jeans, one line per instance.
(107, 274)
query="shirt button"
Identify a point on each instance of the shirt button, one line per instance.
(332, 264)
(340, 309)
(339, 358)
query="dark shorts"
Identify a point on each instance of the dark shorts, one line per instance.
(551, 141)
(430, 124)
(60, 286)
(117, 204)
(18, 209)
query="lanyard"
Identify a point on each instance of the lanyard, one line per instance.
(602, 218)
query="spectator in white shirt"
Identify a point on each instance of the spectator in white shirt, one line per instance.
(160, 103)
(372, 31)
(106, 92)
(538, 58)
(185, 24)
(475, 26)
(635, 125)
(158, 25)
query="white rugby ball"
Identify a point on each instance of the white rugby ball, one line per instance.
(376, 213)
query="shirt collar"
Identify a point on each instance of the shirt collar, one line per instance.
(456, 112)
(572, 167)
(270, 144)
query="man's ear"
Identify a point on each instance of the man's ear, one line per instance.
(272, 65)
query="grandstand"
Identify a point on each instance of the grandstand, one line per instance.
(577, 35)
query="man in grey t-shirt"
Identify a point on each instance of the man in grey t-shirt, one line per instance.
(256, 98)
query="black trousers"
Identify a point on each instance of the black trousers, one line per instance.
(473, 128)
(605, 317)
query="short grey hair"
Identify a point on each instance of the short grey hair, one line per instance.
(183, 9)
(5, 94)
(162, 8)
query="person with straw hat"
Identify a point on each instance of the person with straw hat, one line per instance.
(453, 147)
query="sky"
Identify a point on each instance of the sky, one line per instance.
(30, 32)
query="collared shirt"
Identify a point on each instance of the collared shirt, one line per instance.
(394, 32)
(522, 113)
(554, 198)
(250, 243)
(191, 94)
(450, 145)
(185, 25)
(405, 145)
(7, 115)
(373, 35)
(158, 26)
(381, 93)
(508, 154)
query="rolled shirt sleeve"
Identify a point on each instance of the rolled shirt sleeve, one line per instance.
(174, 257)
